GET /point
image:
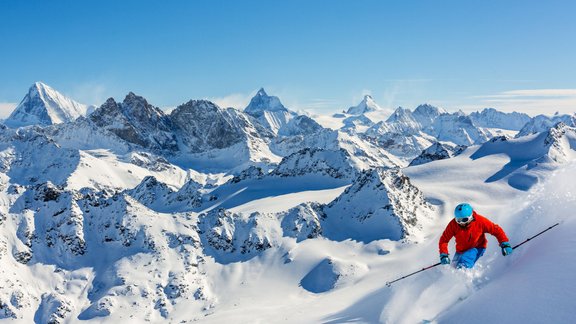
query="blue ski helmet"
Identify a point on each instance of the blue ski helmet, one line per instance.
(463, 210)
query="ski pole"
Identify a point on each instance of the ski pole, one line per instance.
(549, 228)
(389, 283)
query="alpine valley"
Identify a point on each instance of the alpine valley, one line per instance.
(126, 213)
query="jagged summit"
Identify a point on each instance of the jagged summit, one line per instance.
(43, 105)
(136, 121)
(262, 102)
(366, 105)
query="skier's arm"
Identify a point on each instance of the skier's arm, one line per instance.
(445, 238)
(497, 231)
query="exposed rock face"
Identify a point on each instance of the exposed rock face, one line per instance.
(253, 172)
(303, 221)
(379, 204)
(230, 237)
(438, 151)
(561, 141)
(159, 197)
(202, 126)
(136, 121)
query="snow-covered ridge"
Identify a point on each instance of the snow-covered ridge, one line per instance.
(379, 204)
(542, 123)
(490, 117)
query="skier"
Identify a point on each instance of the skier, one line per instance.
(469, 228)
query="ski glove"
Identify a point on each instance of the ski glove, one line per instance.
(506, 248)
(444, 258)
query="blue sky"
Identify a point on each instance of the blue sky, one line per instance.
(315, 55)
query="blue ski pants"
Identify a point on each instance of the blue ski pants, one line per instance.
(468, 258)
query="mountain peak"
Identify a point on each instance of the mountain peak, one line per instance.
(400, 114)
(262, 93)
(40, 85)
(43, 105)
(366, 105)
(262, 102)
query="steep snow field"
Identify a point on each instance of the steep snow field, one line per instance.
(324, 281)
(530, 286)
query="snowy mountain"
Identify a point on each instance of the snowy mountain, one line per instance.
(202, 126)
(492, 118)
(437, 151)
(109, 241)
(362, 116)
(457, 128)
(214, 139)
(363, 153)
(43, 105)
(134, 215)
(300, 125)
(137, 122)
(379, 204)
(269, 111)
(542, 123)
(426, 114)
(336, 164)
(542, 151)
(366, 105)
(401, 134)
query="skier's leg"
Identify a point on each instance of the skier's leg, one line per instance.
(468, 258)
(456, 259)
(480, 253)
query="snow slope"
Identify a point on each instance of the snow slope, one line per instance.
(438, 295)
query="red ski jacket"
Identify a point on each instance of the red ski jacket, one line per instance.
(471, 236)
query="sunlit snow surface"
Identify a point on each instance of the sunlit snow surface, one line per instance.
(530, 286)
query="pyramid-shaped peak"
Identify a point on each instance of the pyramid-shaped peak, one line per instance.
(43, 105)
(366, 105)
(263, 102)
(44, 91)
